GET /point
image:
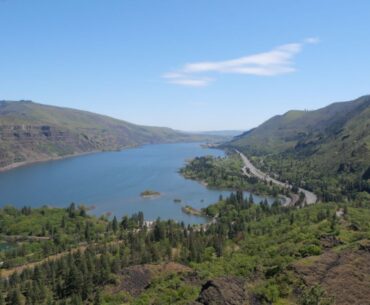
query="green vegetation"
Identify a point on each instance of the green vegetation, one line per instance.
(225, 173)
(191, 211)
(38, 233)
(257, 242)
(326, 150)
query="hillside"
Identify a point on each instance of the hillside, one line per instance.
(34, 132)
(333, 141)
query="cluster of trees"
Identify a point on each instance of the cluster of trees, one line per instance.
(47, 231)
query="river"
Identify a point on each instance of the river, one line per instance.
(112, 182)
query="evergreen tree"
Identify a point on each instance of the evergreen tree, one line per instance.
(115, 225)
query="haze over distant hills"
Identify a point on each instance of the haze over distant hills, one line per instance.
(222, 133)
(33, 132)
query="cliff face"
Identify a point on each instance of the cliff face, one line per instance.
(34, 132)
(22, 143)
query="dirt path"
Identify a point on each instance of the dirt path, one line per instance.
(249, 169)
(8, 272)
(5, 273)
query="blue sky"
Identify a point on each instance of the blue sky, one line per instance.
(190, 65)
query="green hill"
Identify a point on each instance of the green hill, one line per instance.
(34, 132)
(331, 142)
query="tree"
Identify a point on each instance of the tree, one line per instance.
(315, 296)
(72, 210)
(115, 225)
(251, 199)
(140, 217)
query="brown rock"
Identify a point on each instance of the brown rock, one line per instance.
(329, 241)
(135, 280)
(223, 291)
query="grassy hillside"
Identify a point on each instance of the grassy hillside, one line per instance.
(332, 143)
(32, 132)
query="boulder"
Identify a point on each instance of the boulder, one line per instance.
(223, 291)
(329, 241)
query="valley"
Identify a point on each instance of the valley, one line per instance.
(243, 225)
(184, 152)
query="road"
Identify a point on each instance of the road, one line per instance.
(249, 169)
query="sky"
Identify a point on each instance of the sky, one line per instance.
(187, 64)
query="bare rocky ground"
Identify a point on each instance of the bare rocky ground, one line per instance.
(344, 275)
(222, 291)
(135, 279)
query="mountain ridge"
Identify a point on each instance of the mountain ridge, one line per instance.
(32, 132)
(332, 142)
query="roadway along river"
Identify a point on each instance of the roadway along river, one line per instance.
(311, 198)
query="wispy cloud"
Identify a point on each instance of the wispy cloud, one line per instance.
(186, 79)
(274, 62)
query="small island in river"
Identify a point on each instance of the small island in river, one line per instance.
(191, 211)
(149, 194)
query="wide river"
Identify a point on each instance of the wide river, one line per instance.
(113, 181)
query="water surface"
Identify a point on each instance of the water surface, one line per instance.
(113, 181)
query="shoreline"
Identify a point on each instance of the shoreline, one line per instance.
(57, 158)
(15, 165)
(206, 185)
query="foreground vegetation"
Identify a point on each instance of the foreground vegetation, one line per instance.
(33, 234)
(252, 241)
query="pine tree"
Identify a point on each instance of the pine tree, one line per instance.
(251, 199)
(115, 225)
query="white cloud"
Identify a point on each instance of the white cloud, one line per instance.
(274, 62)
(186, 80)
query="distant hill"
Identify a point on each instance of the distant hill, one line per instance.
(330, 141)
(34, 132)
(222, 133)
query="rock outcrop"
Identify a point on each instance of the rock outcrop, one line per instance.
(223, 291)
(135, 279)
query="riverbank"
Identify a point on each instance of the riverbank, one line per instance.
(57, 158)
(113, 181)
(224, 174)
